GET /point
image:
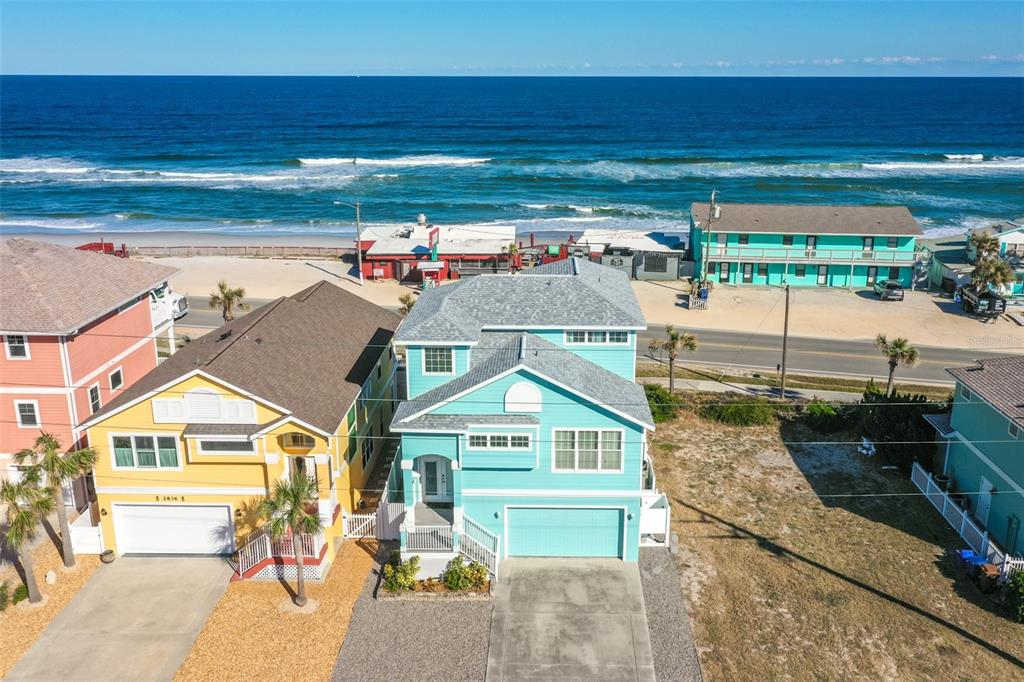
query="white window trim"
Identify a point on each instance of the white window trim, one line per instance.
(965, 393)
(7, 347)
(1013, 430)
(225, 439)
(110, 379)
(576, 452)
(156, 445)
(588, 342)
(99, 398)
(528, 436)
(35, 407)
(423, 361)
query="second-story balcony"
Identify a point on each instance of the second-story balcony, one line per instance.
(788, 254)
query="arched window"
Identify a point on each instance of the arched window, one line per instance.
(522, 397)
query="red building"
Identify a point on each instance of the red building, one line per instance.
(77, 328)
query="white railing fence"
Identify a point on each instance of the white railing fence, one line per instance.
(479, 544)
(260, 546)
(803, 255)
(430, 538)
(968, 529)
(360, 525)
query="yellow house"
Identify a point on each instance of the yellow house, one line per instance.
(185, 455)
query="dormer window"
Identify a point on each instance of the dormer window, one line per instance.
(298, 441)
(438, 361)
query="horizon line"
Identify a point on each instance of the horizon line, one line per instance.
(491, 75)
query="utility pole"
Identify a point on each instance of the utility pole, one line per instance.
(785, 337)
(359, 244)
(707, 232)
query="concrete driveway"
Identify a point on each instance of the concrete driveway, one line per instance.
(569, 619)
(134, 620)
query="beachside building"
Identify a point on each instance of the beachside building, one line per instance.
(827, 246)
(981, 458)
(524, 433)
(78, 328)
(304, 384)
(641, 255)
(434, 253)
(951, 259)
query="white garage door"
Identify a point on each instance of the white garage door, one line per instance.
(174, 529)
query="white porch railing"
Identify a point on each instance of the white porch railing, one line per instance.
(784, 254)
(975, 537)
(430, 538)
(260, 546)
(479, 544)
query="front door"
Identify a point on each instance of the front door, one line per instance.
(872, 275)
(723, 272)
(748, 273)
(984, 501)
(302, 466)
(822, 275)
(435, 478)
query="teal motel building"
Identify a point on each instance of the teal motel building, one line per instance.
(803, 245)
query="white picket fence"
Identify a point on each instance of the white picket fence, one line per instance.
(975, 537)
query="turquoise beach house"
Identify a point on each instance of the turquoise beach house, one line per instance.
(826, 246)
(524, 433)
(981, 453)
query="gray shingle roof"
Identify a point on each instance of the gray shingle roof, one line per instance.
(50, 289)
(999, 381)
(940, 422)
(810, 219)
(223, 429)
(460, 422)
(569, 293)
(565, 367)
(309, 352)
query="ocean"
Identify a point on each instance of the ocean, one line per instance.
(273, 156)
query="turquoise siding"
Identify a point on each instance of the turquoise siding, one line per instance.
(418, 382)
(618, 358)
(772, 246)
(560, 531)
(987, 430)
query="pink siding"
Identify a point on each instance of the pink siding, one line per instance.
(53, 417)
(133, 367)
(107, 338)
(43, 369)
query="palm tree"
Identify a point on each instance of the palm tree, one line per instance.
(287, 511)
(985, 246)
(900, 352)
(512, 250)
(990, 271)
(407, 301)
(673, 342)
(27, 503)
(56, 469)
(227, 299)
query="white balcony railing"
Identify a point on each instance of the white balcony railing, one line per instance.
(430, 539)
(782, 254)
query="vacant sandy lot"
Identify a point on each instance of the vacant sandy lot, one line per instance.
(924, 318)
(789, 577)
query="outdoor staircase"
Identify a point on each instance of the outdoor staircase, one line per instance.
(374, 487)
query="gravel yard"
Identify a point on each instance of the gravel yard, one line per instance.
(21, 625)
(675, 658)
(389, 640)
(249, 637)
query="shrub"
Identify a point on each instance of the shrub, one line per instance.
(5, 594)
(663, 404)
(458, 576)
(897, 427)
(822, 417)
(20, 594)
(401, 575)
(750, 412)
(1017, 588)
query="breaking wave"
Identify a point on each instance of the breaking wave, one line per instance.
(408, 161)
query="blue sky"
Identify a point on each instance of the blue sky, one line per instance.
(505, 38)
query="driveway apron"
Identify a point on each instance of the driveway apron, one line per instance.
(135, 619)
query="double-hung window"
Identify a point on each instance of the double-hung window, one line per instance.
(437, 361)
(94, 399)
(145, 452)
(28, 413)
(893, 242)
(16, 347)
(353, 434)
(587, 450)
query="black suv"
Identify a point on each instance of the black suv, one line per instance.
(889, 290)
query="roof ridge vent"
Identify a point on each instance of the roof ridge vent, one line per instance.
(522, 347)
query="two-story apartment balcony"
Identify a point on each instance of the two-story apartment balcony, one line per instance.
(782, 254)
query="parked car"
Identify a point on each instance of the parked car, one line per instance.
(889, 290)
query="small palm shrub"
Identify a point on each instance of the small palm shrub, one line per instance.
(5, 594)
(746, 412)
(822, 417)
(1017, 588)
(401, 575)
(20, 594)
(459, 576)
(663, 404)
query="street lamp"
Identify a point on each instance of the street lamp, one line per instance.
(359, 237)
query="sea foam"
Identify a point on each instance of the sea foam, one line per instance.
(418, 160)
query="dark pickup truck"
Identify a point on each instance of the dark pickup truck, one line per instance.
(889, 290)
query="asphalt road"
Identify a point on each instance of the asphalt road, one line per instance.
(753, 351)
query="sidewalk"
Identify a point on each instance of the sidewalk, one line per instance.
(753, 389)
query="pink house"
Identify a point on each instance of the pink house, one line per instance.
(77, 327)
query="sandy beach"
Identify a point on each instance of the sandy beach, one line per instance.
(924, 318)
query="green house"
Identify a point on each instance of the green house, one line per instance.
(826, 246)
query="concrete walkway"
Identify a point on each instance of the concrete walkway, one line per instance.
(135, 619)
(569, 619)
